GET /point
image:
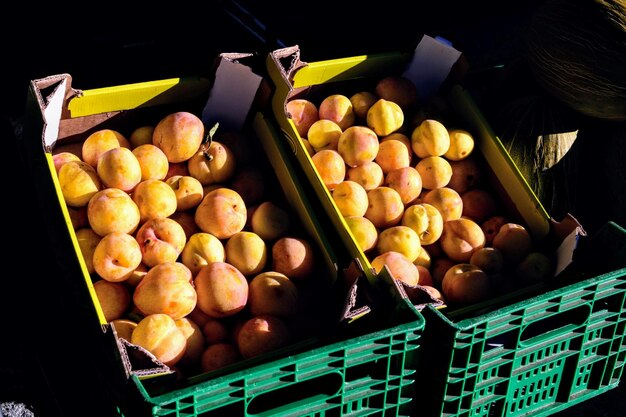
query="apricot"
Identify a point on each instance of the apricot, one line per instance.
(461, 238)
(461, 145)
(407, 181)
(188, 191)
(385, 207)
(272, 293)
(222, 213)
(398, 89)
(337, 108)
(384, 117)
(113, 297)
(246, 251)
(159, 335)
(219, 355)
(79, 182)
(400, 267)
(152, 160)
(425, 220)
(213, 164)
(99, 142)
(330, 167)
(201, 249)
(116, 256)
(167, 289)
(161, 239)
(435, 172)
(514, 241)
(466, 175)
(195, 341)
(370, 175)
(350, 198)
(465, 284)
(447, 201)
(249, 183)
(270, 221)
(87, 242)
(303, 113)
(154, 198)
(358, 145)
(119, 168)
(222, 289)
(324, 134)
(430, 138)
(179, 135)
(262, 334)
(478, 204)
(361, 102)
(364, 232)
(62, 157)
(394, 152)
(294, 257)
(141, 136)
(401, 239)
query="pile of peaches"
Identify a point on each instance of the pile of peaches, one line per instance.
(414, 195)
(191, 255)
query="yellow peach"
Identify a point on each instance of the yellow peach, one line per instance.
(247, 252)
(364, 232)
(324, 134)
(99, 142)
(461, 238)
(222, 289)
(154, 198)
(113, 297)
(423, 259)
(337, 108)
(330, 167)
(188, 191)
(384, 117)
(119, 168)
(461, 145)
(350, 198)
(179, 135)
(385, 207)
(222, 213)
(166, 289)
(361, 103)
(159, 335)
(358, 145)
(294, 257)
(370, 175)
(87, 241)
(272, 293)
(425, 220)
(161, 239)
(447, 201)
(430, 138)
(153, 161)
(213, 164)
(435, 172)
(400, 267)
(200, 250)
(116, 256)
(401, 239)
(394, 152)
(62, 157)
(270, 221)
(303, 113)
(79, 182)
(407, 181)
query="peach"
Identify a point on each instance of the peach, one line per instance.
(213, 164)
(219, 355)
(491, 226)
(384, 117)
(159, 335)
(350, 198)
(438, 269)
(478, 205)
(161, 239)
(358, 145)
(215, 331)
(363, 231)
(466, 174)
(270, 221)
(514, 241)
(400, 267)
(124, 328)
(79, 182)
(461, 238)
(401, 239)
(294, 257)
(166, 289)
(398, 89)
(113, 297)
(425, 220)
(385, 207)
(262, 334)
(465, 284)
(201, 249)
(247, 252)
(154, 198)
(407, 181)
(324, 134)
(152, 160)
(330, 167)
(370, 175)
(99, 142)
(195, 341)
(461, 145)
(394, 151)
(423, 258)
(249, 183)
(116, 256)
(62, 157)
(303, 113)
(361, 103)
(337, 108)
(222, 289)
(435, 172)
(179, 135)
(430, 138)
(119, 168)
(87, 242)
(447, 201)
(489, 259)
(188, 191)
(187, 221)
(272, 293)
(222, 213)
(141, 136)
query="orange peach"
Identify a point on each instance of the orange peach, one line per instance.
(465, 284)
(466, 174)
(361, 103)
(213, 164)
(167, 289)
(364, 232)
(324, 134)
(87, 241)
(161, 239)
(447, 201)
(119, 168)
(330, 167)
(154, 198)
(478, 204)
(79, 182)
(222, 289)
(188, 191)
(294, 257)
(247, 252)
(401, 239)
(159, 335)
(124, 328)
(385, 207)
(370, 175)
(398, 89)
(303, 113)
(337, 108)
(153, 161)
(141, 136)
(179, 135)
(514, 241)
(400, 267)
(270, 221)
(394, 152)
(219, 355)
(195, 342)
(249, 183)
(272, 293)
(262, 334)
(407, 181)
(461, 145)
(113, 297)
(384, 117)
(358, 145)
(116, 256)
(222, 213)
(350, 198)
(461, 238)
(425, 220)
(62, 157)
(435, 172)
(99, 142)
(201, 249)
(430, 138)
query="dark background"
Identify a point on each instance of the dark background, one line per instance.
(44, 363)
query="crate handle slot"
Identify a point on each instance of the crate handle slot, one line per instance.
(554, 325)
(297, 395)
